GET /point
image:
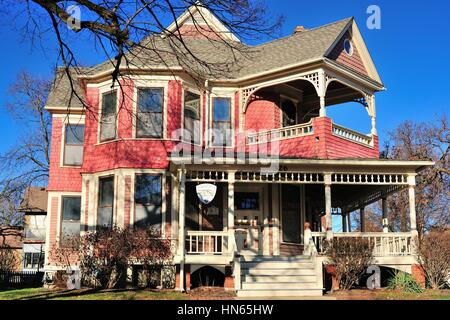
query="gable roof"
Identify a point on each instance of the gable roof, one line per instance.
(223, 61)
(34, 200)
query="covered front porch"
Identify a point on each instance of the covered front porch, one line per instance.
(263, 215)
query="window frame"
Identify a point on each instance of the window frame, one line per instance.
(163, 112)
(97, 226)
(232, 128)
(162, 196)
(65, 127)
(100, 124)
(62, 216)
(200, 116)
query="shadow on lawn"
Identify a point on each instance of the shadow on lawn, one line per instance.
(54, 294)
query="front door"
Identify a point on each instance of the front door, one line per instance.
(249, 218)
(291, 226)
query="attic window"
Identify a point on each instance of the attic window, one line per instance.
(348, 47)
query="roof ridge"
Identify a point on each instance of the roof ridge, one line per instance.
(303, 32)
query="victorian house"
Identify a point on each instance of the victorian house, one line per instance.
(243, 171)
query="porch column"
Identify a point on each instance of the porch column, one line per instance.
(362, 218)
(328, 218)
(412, 203)
(322, 92)
(344, 221)
(384, 209)
(231, 238)
(349, 222)
(181, 224)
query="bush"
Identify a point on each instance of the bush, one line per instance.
(350, 258)
(434, 256)
(403, 281)
(103, 256)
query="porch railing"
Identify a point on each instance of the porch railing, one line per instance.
(206, 242)
(351, 135)
(384, 244)
(298, 130)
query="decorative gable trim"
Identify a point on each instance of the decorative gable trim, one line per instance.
(361, 49)
(210, 21)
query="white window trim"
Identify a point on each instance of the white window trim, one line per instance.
(352, 50)
(69, 120)
(97, 192)
(142, 84)
(195, 91)
(104, 90)
(221, 94)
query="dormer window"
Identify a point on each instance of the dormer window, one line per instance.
(348, 47)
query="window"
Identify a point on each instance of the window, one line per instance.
(73, 145)
(246, 201)
(222, 122)
(108, 118)
(105, 202)
(348, 47)
(289, 113)
(70, 225)
(192, 117)
(148, 199)
(150, 113)
(33, 260)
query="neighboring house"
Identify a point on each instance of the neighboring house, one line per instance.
(11, 248)
(118, 163)
(34, 207)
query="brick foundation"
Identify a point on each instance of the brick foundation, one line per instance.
(418, 274)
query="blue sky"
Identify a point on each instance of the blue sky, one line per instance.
(411, 52)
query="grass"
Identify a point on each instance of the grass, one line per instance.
(386, 294)
(89, 294)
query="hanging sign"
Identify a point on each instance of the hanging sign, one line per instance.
(206, 192)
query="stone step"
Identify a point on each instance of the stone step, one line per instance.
(279, 285)
(280, 293)
(279, 278)
(278, 272)
(276, 264)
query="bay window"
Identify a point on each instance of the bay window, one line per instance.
(149, 122)
(191, 119)
(73, 145)
(70, 225)
(108, 116)
(222, 134)
(148, 200)
(105, 202)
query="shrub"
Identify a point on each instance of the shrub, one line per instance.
(103, 256)
(350, 258)
(8, 259)
(434, 256)
(403, 281)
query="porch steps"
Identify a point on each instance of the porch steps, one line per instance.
(263, 276)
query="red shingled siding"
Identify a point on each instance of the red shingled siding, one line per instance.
(174, 107)
(324, 145)
(61, 178)
(262, 114)
(354, 62)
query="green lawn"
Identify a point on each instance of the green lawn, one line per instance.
(384, 294)
(89, 294)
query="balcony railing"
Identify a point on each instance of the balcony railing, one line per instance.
(206, 242)
(351, 135)
(384, 244)
(298, 130)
